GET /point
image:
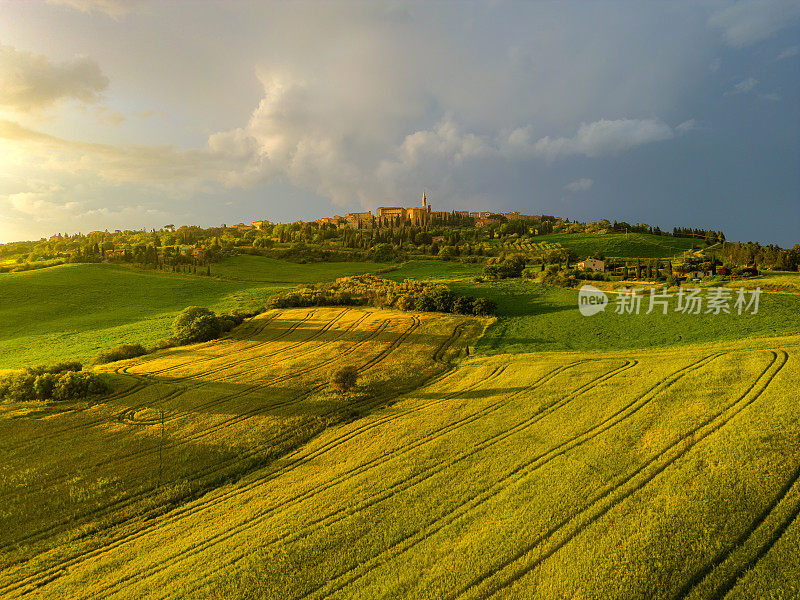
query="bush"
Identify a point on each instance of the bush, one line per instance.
(510, 267)
(120, 352)
(197, 324)
(369, 290)
(344, 379)
(63, 381)
(201, 329)
(483, 307)
(463, 305)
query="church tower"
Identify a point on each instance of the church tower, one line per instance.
(425, 206)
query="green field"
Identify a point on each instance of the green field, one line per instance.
(269, 270)
(74, 311)
(536, 317)
(632, 245)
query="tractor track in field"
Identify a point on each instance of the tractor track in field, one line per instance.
(417, 478)
(227, 365)
(244, 328)
(741, 541)
(54, 571)
(218, 467)
(727, 586)
(213, 468)
(685, 443)
(129, 414)
(207, 503)
(232, 364)
(518, 473)
(364, 467)
(144, 381)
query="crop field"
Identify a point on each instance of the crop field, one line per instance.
(269, 270)
(230, 470)
(632, 245)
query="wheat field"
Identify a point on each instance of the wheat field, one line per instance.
(231, 470)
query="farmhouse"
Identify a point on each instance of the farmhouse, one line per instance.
(592, 264)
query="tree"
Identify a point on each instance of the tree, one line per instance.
(196, 324)
(344, 379)
(483, 307)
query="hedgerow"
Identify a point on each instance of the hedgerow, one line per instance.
(63, 381)
(368, 290)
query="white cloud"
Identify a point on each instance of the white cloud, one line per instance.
(687, 126)
(749, 21)
(789, 52)
(107, 116)
(603, 138)
(39, 205)
(581, 185)
(773, 96)
(117, 163)
(743, 87)
(32, 82)
(113, 8)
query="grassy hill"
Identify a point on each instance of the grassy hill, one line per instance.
(632, 245)
(74, 311)
(269, 270)
(668, 473)
(536, 317)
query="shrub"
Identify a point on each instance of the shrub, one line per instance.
(202, 329)
(63, 381)
(120, 352)
(344, 379)
(463, 305)
(483, 307)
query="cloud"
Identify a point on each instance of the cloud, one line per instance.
(743, 87)
(107, 116)
(117, 163)
(36, 204)
(789, 52)
(149, 113)
(687, 126)
(604, 138)
(773, 96)
(113, 8)
(32, 82)
(580, 185)
(749, 21)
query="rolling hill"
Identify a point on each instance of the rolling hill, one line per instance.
(667, 473)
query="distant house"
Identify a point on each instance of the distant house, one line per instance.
(260, 224)
(198, 253)
(437, 238)
(697, 274)
(592, 264)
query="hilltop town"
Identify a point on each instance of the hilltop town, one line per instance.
(392, 216)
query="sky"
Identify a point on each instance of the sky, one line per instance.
(127, 115)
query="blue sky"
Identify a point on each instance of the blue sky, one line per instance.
(138, 114)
